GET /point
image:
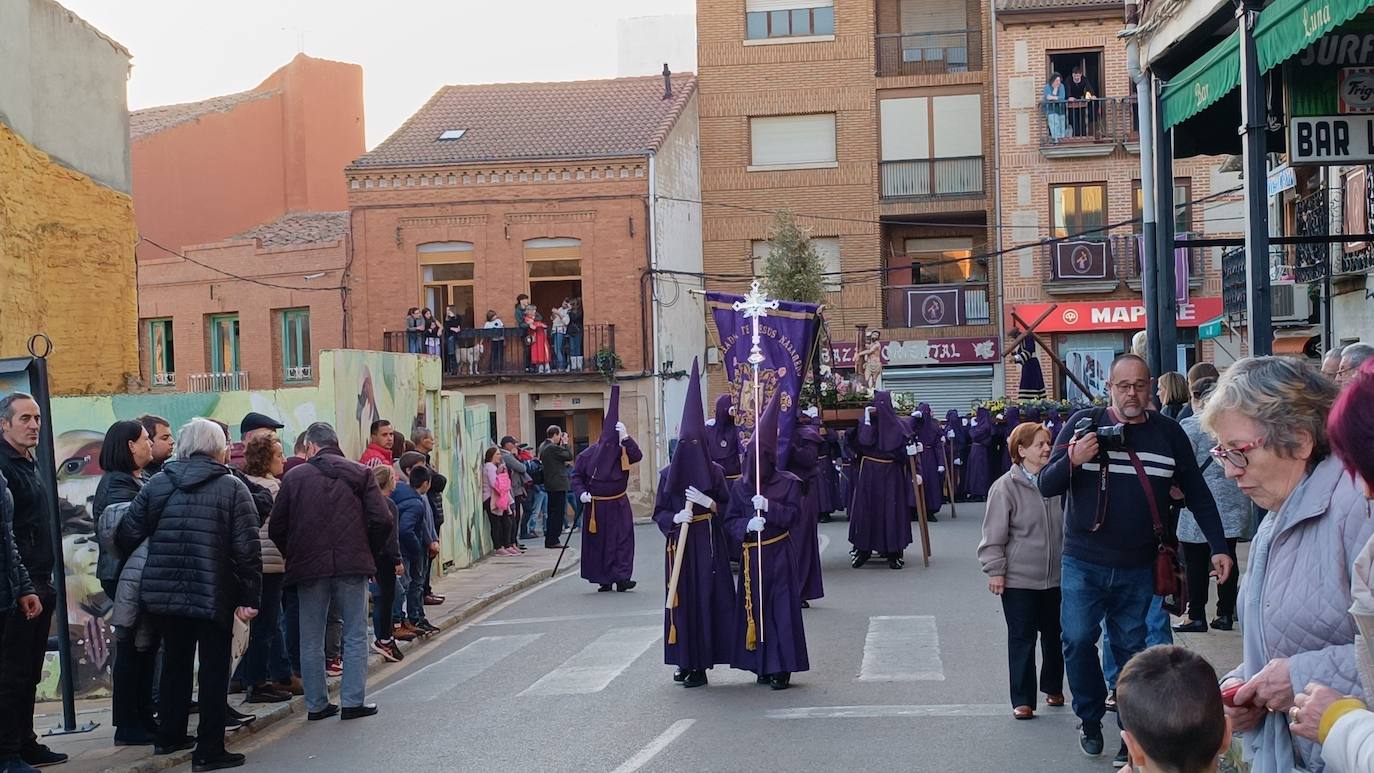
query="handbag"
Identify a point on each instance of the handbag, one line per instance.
(1169, 579)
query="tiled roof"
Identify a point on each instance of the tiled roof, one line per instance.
(155, 119)
(535, 121)
(1054, 5)
(300, 228)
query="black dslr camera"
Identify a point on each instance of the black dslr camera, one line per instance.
(1109, 438)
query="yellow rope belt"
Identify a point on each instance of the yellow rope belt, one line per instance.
(736, 476)
(591, 521)
(672, 553)
(751, 631)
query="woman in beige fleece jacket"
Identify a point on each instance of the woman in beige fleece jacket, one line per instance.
(1023, 537)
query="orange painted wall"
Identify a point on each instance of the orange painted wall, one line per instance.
(226, 172)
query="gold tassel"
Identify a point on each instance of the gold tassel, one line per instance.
(624, 459)
(591, 521)
(751, 632)
(672, 622)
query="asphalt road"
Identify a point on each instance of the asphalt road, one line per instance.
(908, 674)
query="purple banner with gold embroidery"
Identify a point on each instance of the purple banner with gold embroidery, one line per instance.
(787, 338)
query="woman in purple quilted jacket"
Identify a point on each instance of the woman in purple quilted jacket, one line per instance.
(1269, 417)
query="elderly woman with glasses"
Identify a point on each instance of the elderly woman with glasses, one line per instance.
(1269, 416)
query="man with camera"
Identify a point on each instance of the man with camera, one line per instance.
(1115, 468)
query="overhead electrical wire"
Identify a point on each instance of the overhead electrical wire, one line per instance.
(241, 278)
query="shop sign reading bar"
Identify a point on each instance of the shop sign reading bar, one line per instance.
(1331, 140)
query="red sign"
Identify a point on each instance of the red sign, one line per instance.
(1086, 316)
(931, 351)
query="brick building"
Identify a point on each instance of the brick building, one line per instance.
(871, 121)
(249, 187)
(555, 190)
(1069, 168)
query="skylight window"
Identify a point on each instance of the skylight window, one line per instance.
(453, 134)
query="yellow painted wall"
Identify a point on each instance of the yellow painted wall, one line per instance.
(66, 269)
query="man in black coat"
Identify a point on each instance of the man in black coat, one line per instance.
(24, 637)
(555, 455)
(329, 520)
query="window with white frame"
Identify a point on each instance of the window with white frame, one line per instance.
(827, 247)
(792, 141)
(775, 19)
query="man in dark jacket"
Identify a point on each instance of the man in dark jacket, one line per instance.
(329, 520)
(203, 569)
(423, 439)
(23, 638)
(555, 456)
(16, 589)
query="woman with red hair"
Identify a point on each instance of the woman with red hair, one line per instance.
(1342, 724)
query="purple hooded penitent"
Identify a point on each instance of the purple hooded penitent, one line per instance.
(882, 495)
(779, 645)
(980, 461)
(723, 439)
(698, 629)
(926, 430)
(602, 470)
(804, 461)
(956, 440)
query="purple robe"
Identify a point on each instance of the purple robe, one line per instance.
(699, 631)
(979, 464)
(608, 523)
(827, 478)
(956, 441)
(1053, 422)
(1000, 455)
(722, 440)
(847, 462)
(803, 461)
(926, 430)
(780, 646)
(879, 516)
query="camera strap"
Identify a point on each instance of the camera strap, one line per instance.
(1149, 494)
(1100, 516)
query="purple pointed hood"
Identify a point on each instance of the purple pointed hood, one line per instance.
(725, 428)
(691, 462)
(765, 438)
(891, 431)
(606, 452)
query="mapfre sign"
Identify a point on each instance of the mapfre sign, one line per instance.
(1089, 316)
(1331, 140)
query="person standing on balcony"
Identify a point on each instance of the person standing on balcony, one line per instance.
(498, 344)
(562, 315)
(575, 333)
(537, 334)
(522, 306)
(1054, 108)
(1079, 90)
(453, 325)
(415, 331)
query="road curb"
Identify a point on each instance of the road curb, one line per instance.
(274, 713)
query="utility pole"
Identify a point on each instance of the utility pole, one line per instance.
(1254, 124)
(1166, 295)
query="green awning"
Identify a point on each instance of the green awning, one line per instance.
(1286, 27)
(1202, 83)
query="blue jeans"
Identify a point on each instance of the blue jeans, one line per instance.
(575, 505)
(575, 345)
(559, 360)
(410, 590)
(291, 626)
(266, 655)
(1157, 631)
(350, 594)
(415, 343)
(535, 506)
(1093, 593)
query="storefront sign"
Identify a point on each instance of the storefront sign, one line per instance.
(1081, 260)
(932, 351)
(1209, 329)
(1085, 316)
(1282, 179)
(1356, 90)
(1331, 140)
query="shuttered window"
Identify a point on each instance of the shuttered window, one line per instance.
(792, 141)
(942, 387)
(915, 128)
(934, 15)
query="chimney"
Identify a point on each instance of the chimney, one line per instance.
(667, 82)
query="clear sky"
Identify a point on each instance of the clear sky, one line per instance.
(190, 50)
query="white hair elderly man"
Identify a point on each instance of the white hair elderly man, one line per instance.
(1352, 357)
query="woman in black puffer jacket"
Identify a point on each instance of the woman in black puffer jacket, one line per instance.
(204, 567)
(123, 455)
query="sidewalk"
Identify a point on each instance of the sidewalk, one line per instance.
(468, 592)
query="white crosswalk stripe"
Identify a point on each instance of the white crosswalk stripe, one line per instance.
(597, 664)
(443, 675)
(902, 648)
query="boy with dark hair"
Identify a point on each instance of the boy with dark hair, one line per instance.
(1171, 712)
(414, 532)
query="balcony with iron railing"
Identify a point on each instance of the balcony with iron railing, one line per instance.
(497, 352)
(1100, 265)
(232, 381)
(965, 303)
(932, 177)
(938, 52)
(161, 380)
(1085, 128)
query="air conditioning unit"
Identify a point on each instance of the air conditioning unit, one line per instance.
(1292, 304)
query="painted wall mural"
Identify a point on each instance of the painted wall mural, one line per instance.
(356, 387)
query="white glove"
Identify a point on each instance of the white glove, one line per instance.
(919, 480)
(684, 516)
(695, 496)
(965, 420)
(756, 524)
(620, 428)
(916, 414)
(760, 503)
(812, 411)
(710, 422)
(1001, 417)
(958, 462)
(950, 434)
(939, 469)
(868, 415)
(912, 449)
(973, 423)
(585, 497)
